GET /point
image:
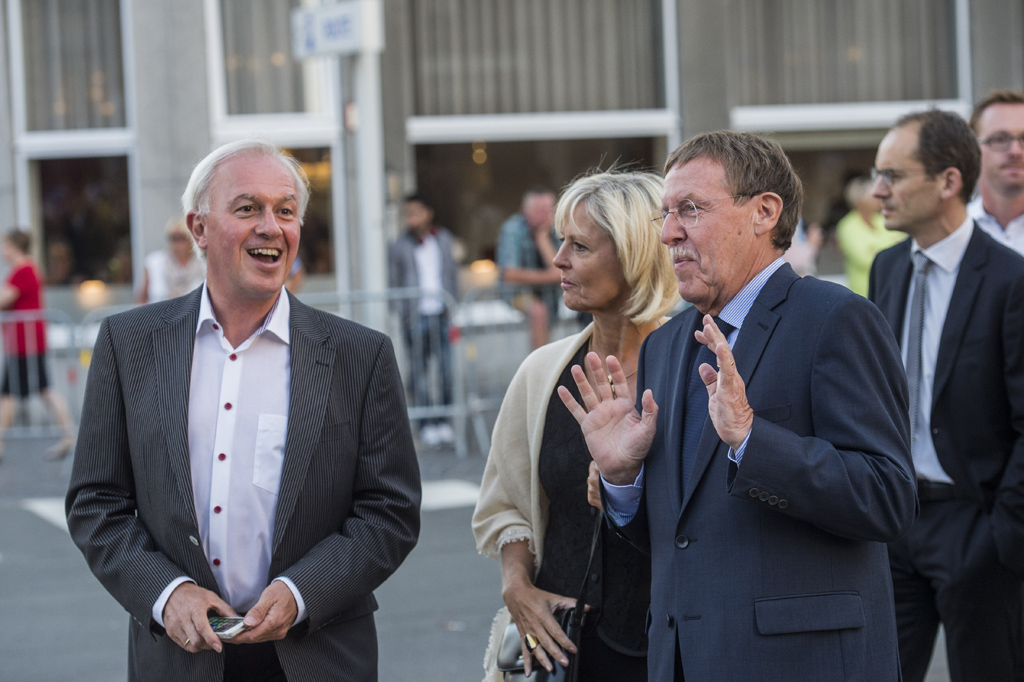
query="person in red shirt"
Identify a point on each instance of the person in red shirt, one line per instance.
(25, 342)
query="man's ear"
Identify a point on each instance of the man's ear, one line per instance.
(952, 183)
(197, 227)
(767, 210)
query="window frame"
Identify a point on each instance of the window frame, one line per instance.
(786, 118)
(287, 129)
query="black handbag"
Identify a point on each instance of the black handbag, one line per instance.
(510, 653)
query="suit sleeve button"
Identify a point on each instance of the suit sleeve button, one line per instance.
(763, 496)
(773, 500)
(783, 504)
(754, 492)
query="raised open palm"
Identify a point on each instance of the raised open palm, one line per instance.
(617, 435)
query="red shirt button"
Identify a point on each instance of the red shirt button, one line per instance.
(216, 562)
(233, 356)
(222, 457)
(227, 406)
(215, 326)
(216, 510)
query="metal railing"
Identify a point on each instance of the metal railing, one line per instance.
(456, 363)
(62, 361)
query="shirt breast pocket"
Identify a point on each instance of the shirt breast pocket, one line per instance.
(269, 457)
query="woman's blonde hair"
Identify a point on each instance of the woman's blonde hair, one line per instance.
(621, 204)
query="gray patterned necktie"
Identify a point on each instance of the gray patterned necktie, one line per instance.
(921, 265)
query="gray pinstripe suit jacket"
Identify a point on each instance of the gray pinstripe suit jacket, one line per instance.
(348, 505)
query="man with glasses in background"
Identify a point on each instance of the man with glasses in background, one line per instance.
(998, 121)
(954, 297)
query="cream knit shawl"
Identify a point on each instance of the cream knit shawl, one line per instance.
(512, 505)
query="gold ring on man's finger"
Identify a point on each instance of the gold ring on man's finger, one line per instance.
(187, 640)
(531, 642)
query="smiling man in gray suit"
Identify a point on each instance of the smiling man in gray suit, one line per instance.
(243, 453)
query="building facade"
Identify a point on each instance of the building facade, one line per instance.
(107, 105)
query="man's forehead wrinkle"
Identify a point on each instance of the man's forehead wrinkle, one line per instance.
(245, 196)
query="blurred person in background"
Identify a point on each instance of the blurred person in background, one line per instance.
(174, 270)
(526, 248)
(533, 514)
(25, 343)
(423, 258)
(861, 234)
(998, 121)
(296, 276)
(802, 254)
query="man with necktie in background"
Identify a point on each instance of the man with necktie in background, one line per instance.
(955, 299)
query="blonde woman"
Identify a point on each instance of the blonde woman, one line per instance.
(533, 513)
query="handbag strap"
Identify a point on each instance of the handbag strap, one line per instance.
(577, 614)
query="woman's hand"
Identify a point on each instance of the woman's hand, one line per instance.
(618, 437)
(532, 608)
(532, 611)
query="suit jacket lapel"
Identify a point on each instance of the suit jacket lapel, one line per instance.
(173, 347)
(965, 291)
(892, 298)
(312, 364)
(750, 345)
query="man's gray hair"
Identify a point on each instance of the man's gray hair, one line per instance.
(197, 192)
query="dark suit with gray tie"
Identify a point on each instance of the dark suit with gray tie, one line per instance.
(962, 561)
(777, 570)
(348, 504)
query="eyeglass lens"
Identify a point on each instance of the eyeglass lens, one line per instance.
(1001, 142)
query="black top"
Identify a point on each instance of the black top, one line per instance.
(620, 579)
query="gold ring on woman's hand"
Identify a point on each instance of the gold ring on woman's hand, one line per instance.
(531, 642)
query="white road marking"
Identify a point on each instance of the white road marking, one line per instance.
(449, 494)
(49, 509)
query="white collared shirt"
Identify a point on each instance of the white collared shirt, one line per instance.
(428, 267)
(946, 257)
(237, 424)
(1012, 235)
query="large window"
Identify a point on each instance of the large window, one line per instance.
(822, 51)
(85, 222)
(261, 76)
(525, 56)
(475, 187)
(73, 74)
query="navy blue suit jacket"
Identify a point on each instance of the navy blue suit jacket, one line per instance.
(777, 569)
(977, 412)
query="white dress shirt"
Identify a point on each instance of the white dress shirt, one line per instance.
(428, 267)
(624, 500)
(945, 256)
(1012, 235)
(237, 423)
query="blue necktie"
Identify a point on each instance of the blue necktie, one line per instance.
(695, 409)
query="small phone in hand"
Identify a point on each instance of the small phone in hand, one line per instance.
(227, 627)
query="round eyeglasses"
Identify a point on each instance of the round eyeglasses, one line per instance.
(890, 176)
(687, 211)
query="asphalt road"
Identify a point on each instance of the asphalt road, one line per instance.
(57, 623)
